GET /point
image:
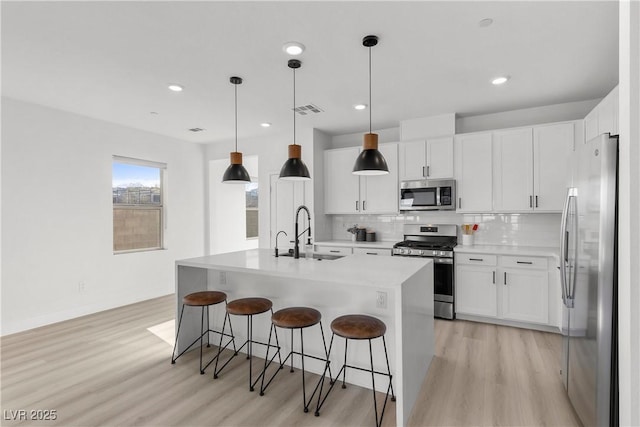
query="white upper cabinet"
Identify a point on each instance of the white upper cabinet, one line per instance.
(440, 157)
(473, 166)
(413, 156)
(346, 193)
(513, 174)
(604, 117)
(431, 159)
(532, 168)
(342, 187)
(553, 147)
(380, 193)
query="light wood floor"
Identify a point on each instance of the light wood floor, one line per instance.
(113, 368)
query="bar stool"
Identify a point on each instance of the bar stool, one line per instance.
(204, 300)
(359, 327)
(295, 318)
(248, 307)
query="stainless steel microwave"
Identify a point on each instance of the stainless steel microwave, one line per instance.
(428, 195)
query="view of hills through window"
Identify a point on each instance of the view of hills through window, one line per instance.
(251, 194)
(137, 205)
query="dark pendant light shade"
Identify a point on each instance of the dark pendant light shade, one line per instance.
(236, 173)
(370, 161)
(294, 168)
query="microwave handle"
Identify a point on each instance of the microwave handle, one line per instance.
(459, 202)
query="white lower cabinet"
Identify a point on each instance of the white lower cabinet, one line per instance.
(503, 287)
(525, 295)
(476, 290)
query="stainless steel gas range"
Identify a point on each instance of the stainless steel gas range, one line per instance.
(437, 242)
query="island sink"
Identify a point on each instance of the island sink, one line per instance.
(319, 257)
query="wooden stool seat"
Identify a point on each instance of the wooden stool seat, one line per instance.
(249, 306)
(204, 298)
(358, 327)
(296, 317)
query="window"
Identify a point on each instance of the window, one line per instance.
(138, 205)
(251, 196)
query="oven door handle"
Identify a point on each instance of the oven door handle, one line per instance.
(443, 260)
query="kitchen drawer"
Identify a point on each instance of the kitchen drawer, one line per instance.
(475, 259)
(371, 251)
(333, 250)
(523, 262)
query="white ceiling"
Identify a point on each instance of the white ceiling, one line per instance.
(114, 60)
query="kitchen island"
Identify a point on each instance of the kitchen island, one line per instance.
(397, 290)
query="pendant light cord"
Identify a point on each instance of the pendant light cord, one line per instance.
(370, 108)
(294, 106)
(235, 86)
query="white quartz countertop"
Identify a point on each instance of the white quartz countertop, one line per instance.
(383, 244)
(361, 270)
(547, 251)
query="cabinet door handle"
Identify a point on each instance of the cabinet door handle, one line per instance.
(364, 205)
(334, 251)
(530, 201)
(428, 173)
(357, 205)
(476, 259)
(372, 253)
(505, 278)
(459, 202)
(494, 277)
(536, 201)
(524, 262)
(423, 175)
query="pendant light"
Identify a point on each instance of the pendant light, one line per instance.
(294, 168)
(236, 173)
(370, 161)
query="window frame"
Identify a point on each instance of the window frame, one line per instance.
(160, 207)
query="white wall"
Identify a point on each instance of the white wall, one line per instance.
(57, 220)
(629, 214)
(271, 151)
(526, 117)
(355, 139)
(227, 204)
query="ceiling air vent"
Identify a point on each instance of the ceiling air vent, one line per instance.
(196, 130)
(305, 110)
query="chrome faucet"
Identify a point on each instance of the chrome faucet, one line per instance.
(296, 248)
(276, 249)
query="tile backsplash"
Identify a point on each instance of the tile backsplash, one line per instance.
(493, 229)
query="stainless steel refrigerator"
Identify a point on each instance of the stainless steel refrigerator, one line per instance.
(588, 268)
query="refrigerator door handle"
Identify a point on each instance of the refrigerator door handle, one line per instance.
(564, 244)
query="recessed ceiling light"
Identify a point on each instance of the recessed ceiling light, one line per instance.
(500, 80)
(485, 22)
(265, 124)
(360, 106)
(175, 87)
(293, 48)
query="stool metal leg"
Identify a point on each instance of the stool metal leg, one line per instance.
(201, 336)
(344, 373)
(332, 383)
(291, 363)
(304, 390)
(175, 345)
(208, 328)
(373, 385)
(386, 356)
